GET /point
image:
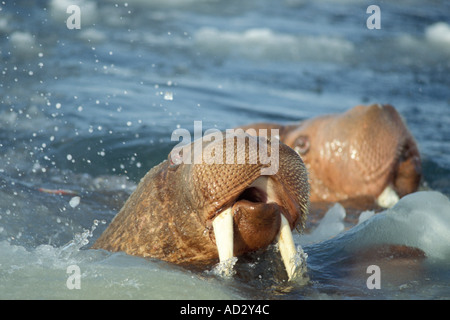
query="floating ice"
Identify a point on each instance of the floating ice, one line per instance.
(420, 220)
(365, 215)
(331, 225)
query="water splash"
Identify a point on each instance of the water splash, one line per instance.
(80, 240)
(299, 262)
(225, 269)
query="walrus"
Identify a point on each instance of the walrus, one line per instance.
(367, 151)
(195, 212)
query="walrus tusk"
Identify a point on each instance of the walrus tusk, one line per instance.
(287, 247)
(388, 198)
(223, 231)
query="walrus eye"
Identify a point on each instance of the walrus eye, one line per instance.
(302, 145)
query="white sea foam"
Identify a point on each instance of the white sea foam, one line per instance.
(438, 33)
(431, 48)
(4, 23)
(23, 43)
(92, 35)
(164, 3)
(225, 268)
(263, 43)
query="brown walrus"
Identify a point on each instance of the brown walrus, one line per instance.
(192, 212)
(366, 151)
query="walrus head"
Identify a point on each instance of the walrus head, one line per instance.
(367, 150)
(195, 211)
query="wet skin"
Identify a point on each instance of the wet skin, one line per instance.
(357, 153)
(170, 214)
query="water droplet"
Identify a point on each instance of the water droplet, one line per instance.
(168, 96)
(74, 202)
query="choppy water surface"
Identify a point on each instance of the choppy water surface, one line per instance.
(92, 110)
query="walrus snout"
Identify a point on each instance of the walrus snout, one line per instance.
(257, 215)
(255, 225)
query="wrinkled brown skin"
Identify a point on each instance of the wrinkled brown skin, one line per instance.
(354, 154)
(169, 216)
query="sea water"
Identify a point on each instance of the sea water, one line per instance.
(89, 111)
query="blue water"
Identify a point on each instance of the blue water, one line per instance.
(91, 110)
